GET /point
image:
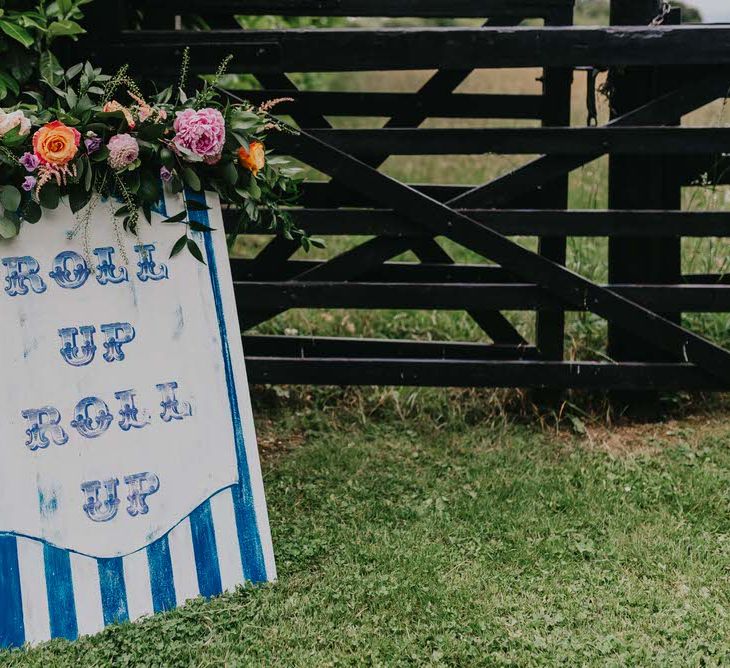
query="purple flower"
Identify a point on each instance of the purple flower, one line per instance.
(30, 161)
(29, 183)
(92, 143)
(165, 174)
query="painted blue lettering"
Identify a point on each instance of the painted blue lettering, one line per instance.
(141, 485)
(107, 271)
(70, 350)
(22, 270)
(44, 427)
(100, 509)
(172, 409)
(70, 270)
(92, 417)
(148, 268)
(117, 334)
(130, 414)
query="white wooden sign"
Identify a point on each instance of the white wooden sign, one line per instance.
(130, 479)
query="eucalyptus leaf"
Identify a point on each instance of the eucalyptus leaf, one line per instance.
(10, 198)
(8, 229)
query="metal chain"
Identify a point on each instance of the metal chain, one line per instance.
(659, 19)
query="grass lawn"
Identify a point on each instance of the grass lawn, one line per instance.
(413, 542)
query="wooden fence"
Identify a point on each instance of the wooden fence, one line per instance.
(659, 73)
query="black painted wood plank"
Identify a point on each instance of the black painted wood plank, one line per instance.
(463, 296)
(157, 52)
(458, 105)
(523, 141)
(599, 376)
(385, 8)
(518, 222)
(322, 347)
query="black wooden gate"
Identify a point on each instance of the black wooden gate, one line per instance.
(660, 73)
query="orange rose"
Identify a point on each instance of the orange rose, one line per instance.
(56, 144)
(254, 159)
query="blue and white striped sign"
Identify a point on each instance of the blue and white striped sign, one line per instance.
(130, 476)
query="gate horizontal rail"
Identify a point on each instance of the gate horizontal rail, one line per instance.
(157, 52)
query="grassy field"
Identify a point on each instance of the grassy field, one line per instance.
(460, 528)
(484, 543)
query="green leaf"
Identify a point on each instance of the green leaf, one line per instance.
(72, 98)
(14, 31)
(65, 28)
(191, 179)
(50, 68)
(150, 188)
(177, 218)
(49, 196)
(230, 173)
(193, 205)
(179, 245)
(10, 198)
(10, 82)
(78, 198)
(199, 227)
(195, 251)
(32, 212)
(8, 229)
(132, 181)
(101, 155)
(74, 70)
(88, 173)
(13, 137)
(254, 190)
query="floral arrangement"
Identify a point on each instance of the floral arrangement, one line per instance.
(98, 137)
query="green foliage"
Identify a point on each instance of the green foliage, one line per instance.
(28, 30)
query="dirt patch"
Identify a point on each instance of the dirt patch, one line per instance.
(632, 439)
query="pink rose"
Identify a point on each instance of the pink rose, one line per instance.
(123, 151)
(200, 135)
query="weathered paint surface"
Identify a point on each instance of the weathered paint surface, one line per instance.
(130, 472)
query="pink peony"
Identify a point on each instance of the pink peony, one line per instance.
(123, 151)
(200, 135)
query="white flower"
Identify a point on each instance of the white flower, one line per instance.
(18, 119)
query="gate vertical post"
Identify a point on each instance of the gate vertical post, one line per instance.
(639, 182)
(557, 83)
